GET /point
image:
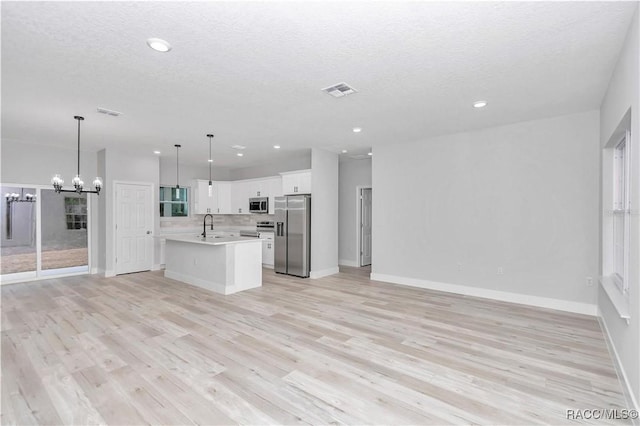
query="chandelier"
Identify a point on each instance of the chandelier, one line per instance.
(77, 182)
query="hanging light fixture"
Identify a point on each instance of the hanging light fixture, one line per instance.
(177, 172)
(78, 184)
(210, 136)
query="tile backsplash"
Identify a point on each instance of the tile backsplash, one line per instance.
(218, 220)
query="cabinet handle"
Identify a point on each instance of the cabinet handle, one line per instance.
(239, 210)
(218, 210)
(269, 246)
(258, 193)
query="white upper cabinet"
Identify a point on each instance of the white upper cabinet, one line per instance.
(298, 182)
(223, 192)
(233, 197)
(202, 203)
(240, 193)
(218, 203)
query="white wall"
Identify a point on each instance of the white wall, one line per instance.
(449, 211)
(188, 172)
(286, 164)
(624, 93)
(324, 213)
(352, 174)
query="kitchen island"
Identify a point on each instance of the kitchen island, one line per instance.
(225, 265)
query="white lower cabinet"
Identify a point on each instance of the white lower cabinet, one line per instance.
(267, 249)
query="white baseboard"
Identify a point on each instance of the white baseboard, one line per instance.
(522, 299)
(630, 397)
(108, 273)
(346, 262)
(94, 271)
(264, 265)
(157, 267)
(323, 272)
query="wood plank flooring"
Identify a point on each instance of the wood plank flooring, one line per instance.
(142, 349)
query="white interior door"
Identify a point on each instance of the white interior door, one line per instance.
(365, 227)
(134, 225)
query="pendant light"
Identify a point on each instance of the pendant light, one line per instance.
(78, 184)
(177, 172)
(210, 136)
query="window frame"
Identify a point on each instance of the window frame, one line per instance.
(621, 208)
(186, 202)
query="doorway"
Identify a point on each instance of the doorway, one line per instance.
(134, 226)
(364, 238)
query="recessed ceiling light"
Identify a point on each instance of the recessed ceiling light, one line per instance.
(158, 44)
(210, 161)
(276, 146)
(344, 151)
(480, 104)
(369, 153)
(357, 130)
(156, 152)
(239, 154)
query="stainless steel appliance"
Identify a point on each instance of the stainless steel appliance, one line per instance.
(259, 205)
(293, 235)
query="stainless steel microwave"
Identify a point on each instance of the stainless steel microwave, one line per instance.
(259, 205)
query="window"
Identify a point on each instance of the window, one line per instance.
(621, 213)
(76, 212)
(174, 202)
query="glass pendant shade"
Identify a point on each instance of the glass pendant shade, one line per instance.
(210, 189)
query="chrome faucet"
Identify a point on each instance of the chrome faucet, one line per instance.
(204, 225)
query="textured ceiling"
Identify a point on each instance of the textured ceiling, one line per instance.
(252, 72)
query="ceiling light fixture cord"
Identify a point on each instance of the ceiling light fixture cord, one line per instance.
(177, 171)
(210, 136)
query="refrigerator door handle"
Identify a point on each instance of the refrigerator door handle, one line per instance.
(280, 229)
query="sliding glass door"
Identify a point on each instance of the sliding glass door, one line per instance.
(19, 248)
(64, 232)
(43, 233)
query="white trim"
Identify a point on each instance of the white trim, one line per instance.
(522, 299)
(109, 273)
(42, 278)
(18, 277)
(622, 376)
(323, 273)
(94, 271)
(265, 265)
(346, 262)
(359, 189)
(59, 272)
(157, 267)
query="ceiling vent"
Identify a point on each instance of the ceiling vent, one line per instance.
(109, 112)
(360, 156)
(339, 90)
(238, 146)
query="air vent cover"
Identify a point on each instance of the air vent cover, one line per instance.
(360, 156)
(238, 146)
(339, 90)
(109, 112)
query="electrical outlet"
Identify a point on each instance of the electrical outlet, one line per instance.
(589, 281)
(500, 270)
(459, 266)
(195, 261)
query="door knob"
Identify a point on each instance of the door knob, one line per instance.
(148, 232)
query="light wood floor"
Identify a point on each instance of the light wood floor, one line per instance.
(51, 259)
(142, 349)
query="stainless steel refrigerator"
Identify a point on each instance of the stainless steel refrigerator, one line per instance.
(293, 235)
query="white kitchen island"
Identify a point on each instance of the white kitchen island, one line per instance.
(224, 265)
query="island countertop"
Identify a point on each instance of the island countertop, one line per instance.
(213, 240)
